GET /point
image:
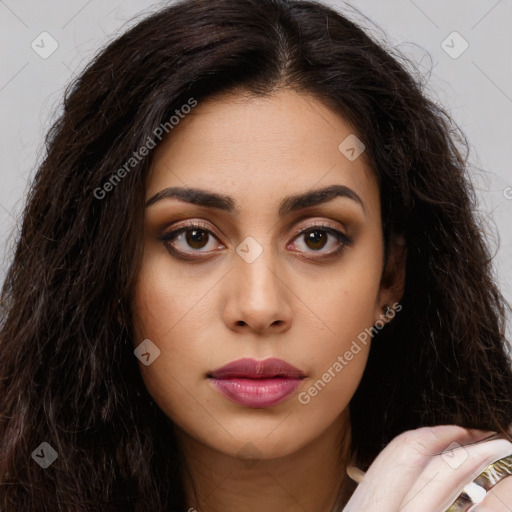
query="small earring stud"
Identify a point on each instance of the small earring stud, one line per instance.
(387, 312)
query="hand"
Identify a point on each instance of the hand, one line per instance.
(412, 474)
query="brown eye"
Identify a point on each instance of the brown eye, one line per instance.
(190, 241)
(196, 238)
(316, 239)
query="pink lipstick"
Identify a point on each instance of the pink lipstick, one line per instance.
(257, 384)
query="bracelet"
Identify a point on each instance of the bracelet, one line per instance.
(475, 491)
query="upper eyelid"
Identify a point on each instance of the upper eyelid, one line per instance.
(202, 225)
(185, 227)
(315, 225)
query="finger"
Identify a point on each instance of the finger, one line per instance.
(429, 441)
(446, 475)
(419, 445)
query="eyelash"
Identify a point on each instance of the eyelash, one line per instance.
(167, 238)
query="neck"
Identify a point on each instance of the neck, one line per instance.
(311, 478)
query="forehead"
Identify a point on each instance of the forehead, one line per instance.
(260, 147)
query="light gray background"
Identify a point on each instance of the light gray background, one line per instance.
(476, 87)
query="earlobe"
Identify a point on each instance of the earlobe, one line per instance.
(393, 280)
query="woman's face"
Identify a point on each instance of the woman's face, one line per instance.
(268, 268)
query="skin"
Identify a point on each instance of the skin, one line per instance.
(425, 470)
(293, 301)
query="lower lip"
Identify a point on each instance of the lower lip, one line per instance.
(256, 392)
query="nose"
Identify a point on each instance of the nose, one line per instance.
(258, 298)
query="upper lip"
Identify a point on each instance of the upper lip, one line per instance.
(252, 369)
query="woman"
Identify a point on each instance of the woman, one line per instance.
(248, 265)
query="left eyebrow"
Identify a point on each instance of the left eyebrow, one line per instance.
(226, 203)
(315, 197)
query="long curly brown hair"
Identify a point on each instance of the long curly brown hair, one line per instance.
(68, 375)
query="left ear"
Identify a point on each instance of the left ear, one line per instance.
(393, 278)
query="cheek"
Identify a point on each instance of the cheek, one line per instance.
(338, 357)
(170, 308)
(345, 301)
(168, 298)
(340, 349)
